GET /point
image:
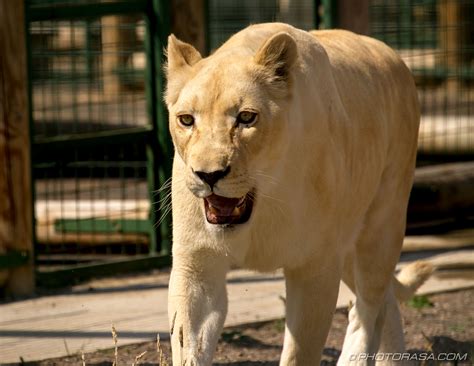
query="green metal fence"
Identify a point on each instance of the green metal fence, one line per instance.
(100, 144)
(436, 40)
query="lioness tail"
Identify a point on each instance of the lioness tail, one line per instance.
(410, 278)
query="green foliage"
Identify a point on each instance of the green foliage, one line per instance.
(230, 336)
(457, 327)
(420, 302)
(279, 325)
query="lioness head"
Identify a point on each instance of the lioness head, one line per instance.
(228, 120)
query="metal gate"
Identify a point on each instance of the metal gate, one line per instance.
(100, 144)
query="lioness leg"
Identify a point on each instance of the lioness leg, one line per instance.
(311, 295)
(392, 336)
(370, 274)
(197, 306)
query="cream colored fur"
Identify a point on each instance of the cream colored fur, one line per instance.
(331, 158)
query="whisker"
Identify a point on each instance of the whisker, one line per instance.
(273, 200)
(163, 199)
(164, 205)
(164, 214)
(270, 178)
(166, 184)
(267, 178)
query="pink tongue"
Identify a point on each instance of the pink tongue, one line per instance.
(223, 206)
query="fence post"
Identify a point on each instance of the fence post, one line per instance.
(161, 29)
(353, 15)
(16, 221)
(449, 35)
(116, 36)
(188, 22)
(329, 16)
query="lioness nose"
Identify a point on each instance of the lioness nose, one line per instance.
(212, 177)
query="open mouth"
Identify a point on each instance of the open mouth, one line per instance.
(226, 211)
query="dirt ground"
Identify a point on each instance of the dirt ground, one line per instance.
(434, 324)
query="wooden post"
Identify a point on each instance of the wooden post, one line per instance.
(353, 15)
(118, 39)
(188, 22)
(297, 11)
(449, 36)
(16, 227)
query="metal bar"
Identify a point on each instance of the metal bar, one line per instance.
(88, 51)
(405, 24)
(161, 17)
(329, 17)
(68, 76)
(92, 225)
(29, 68)
(152, 147)
(466, 73)
(207, 29)
(90, 10)
(317, 16)
(80, 273)
(444, 154)
(14, 259)
(102, 164)
(111, 137)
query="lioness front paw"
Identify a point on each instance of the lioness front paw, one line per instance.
(191, 361)
(187, 348)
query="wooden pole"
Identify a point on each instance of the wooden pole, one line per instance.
(449, 35)
(118, 39)
(16, 227)
(188, 22)
(353, 15)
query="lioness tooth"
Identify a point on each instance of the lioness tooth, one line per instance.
(236, 211)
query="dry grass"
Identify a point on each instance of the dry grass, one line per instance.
(115, 339)
(162, 358)
(138, 358)
(163, 361)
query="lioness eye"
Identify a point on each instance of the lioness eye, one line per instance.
(186, 120)
(246, 117)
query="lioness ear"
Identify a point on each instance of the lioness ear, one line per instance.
(277, 55)
(181, 57)
(181, 54)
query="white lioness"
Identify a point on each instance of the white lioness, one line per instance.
(294, 150)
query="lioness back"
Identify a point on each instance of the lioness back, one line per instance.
(378, 93)
(338, 117)
(386, 88)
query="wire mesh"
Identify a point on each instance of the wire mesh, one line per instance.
(436, 40)
(229, 16)
(89, 159)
